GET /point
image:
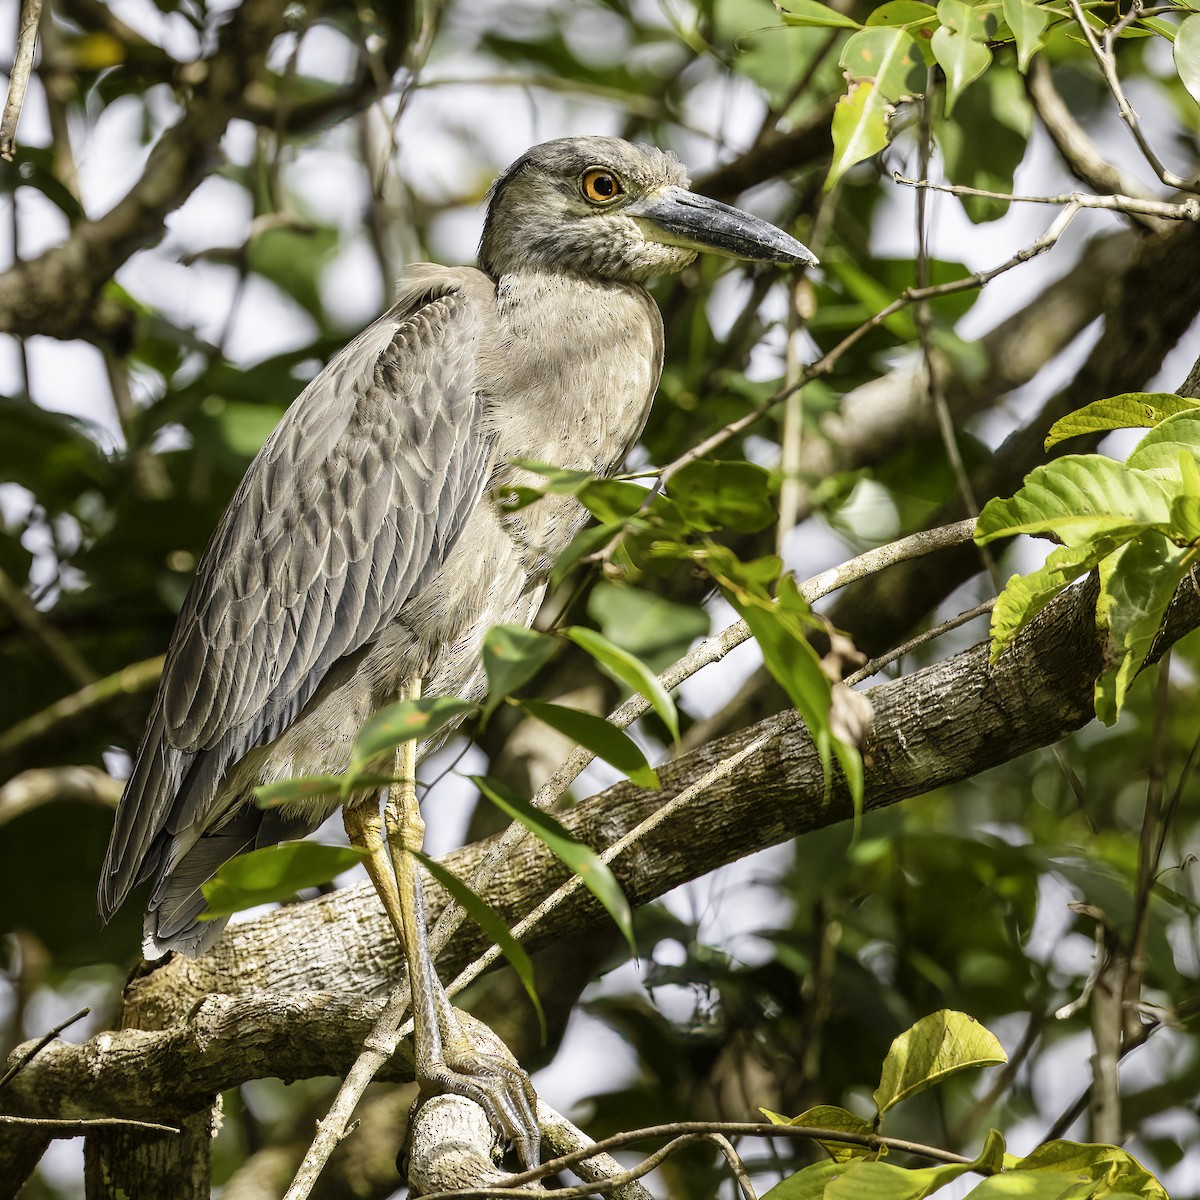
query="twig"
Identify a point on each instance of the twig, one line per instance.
(1172, 1017)
(129, 681)
(734, 1159)
(389, 1031)
(333, 1128)
(579, 1191)
(1106, 61)
(26, 614)
(1176, 796)
(41, 785)
(68, 1127)
(933, 387)
(40, 1045)
(827, 361)
(1080, 153)
(1148, 843)
(18, 79)
(415, 60)
(1185, 210)
(562, 1137)
(709, 651)
(1069, 1010)
(877, 664)
(687, 1132)
(532, 919)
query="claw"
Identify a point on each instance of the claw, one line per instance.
(491, 1078)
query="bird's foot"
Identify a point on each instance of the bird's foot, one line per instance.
(477, 1065)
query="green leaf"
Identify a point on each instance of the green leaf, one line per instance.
(401, 722)
(750, 579)
(627, 669)
(1129, 410)
(274, 873)
(1187, 55)
(644, 623)
(1024, 596)
(859, 129)
(246, 426)
(1159, 451)
(1159, 26)
(778, 629)
(863, 1180)
(1022, 1185)
(586, 541)
(829, 1116)
(807, 1184)
(48, 453)
(581, 859)
(293, 259)
(561, 481)
(936, 1047)
(1135, 592)
(489, 921)
(810, 14)
(909, 13)
(791, 659)
(1028, 22)
(888, 55)
(724, 495)
(1185, 507)
(597, 735)
(1078, 498)
(986, 141)
(294, 791)
(512, 656)
(615, 499)
(1110, 1166)
(972, 20)
(961, 57)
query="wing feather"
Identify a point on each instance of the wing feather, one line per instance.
(351, 505)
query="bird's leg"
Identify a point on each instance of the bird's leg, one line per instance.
(447, 1060)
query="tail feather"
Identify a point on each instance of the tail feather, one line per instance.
(132, 848)
(173, 917)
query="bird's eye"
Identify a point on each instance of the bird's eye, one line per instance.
(600, 186)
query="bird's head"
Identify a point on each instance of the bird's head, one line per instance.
(611, 209)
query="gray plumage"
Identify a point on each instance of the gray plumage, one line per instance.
(364, 546)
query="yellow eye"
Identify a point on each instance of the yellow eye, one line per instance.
(600, 186)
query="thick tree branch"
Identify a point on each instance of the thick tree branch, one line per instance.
(58, 293)
(933, 728)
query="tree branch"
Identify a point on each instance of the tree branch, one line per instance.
(940, 725)
(58, 293)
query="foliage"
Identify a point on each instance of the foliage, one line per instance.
(884, 57)
(1021, 897)
(1136, 523)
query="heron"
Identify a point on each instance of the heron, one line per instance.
(364, 555)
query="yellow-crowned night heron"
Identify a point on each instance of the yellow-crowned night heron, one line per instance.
(362, 558)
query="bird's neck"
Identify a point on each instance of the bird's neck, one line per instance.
(582, 362)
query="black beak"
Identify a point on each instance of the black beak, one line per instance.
(681, 218)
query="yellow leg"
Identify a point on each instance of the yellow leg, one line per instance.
(446, 1059)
